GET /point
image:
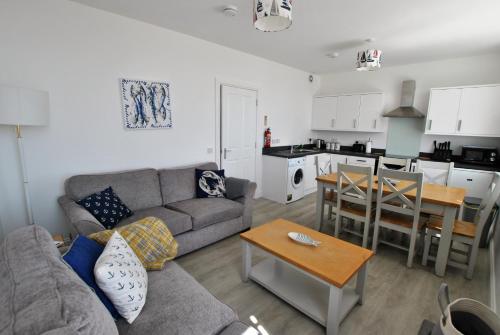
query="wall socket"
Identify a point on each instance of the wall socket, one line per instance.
(210, 150)
(275, 141)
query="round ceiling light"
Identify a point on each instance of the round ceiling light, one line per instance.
(230, 10)
(332, 54)
(272, 15)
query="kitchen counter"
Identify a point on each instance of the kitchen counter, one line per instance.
(461, 165)
(284, 152)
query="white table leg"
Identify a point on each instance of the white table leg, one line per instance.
(334, 305)
(445, 240)
(320, 206)
(360, 282)
(247, 260)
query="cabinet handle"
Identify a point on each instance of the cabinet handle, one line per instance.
(355, 123)
(375, 124)
(430, 124)
(333, 123)
(459, 125)
(363, 161)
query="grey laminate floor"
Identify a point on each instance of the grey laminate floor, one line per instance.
(397, 298)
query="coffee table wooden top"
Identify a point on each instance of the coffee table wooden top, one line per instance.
(431, 193)
(335, 261)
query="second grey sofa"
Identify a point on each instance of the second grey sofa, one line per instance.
(169, 194)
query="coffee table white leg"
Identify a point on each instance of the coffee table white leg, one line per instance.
(334, 306)
(247, 260)
(320, 206)
(360, 282)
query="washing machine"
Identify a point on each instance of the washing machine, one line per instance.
(295, 183)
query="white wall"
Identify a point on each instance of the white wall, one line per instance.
(452, 72)
(77, 54)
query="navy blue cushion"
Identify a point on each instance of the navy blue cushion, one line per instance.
(82, 256)
(106, 207)
(210, 183)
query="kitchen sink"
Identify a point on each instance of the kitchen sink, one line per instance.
(303, 150)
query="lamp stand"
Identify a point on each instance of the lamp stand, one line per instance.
(27, 198)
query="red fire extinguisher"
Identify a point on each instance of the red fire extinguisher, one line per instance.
(267, 138)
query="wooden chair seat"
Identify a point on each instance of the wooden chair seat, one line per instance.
(356, 209)
(400, 219)
(463, 228)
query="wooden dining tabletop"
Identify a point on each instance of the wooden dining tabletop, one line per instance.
(431, 193)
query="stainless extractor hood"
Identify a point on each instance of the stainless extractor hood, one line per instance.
(407, 97)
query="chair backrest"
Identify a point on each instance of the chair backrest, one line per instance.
(349, 179)
(397, 164)
(323, 166)
(487, 204)
(435, 172)
(392, 189)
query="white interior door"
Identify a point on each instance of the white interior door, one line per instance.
(238, 131)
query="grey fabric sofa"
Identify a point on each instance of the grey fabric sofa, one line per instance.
(169, 194)
(40, 294)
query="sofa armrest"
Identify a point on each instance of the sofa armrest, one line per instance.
(236, 187)
(79, 218)
(247, 201)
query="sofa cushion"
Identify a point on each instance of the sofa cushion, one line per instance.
(40, 294)
(179, 184)
(177, 304)
(139, 189)
(205, 212)
(176, 222)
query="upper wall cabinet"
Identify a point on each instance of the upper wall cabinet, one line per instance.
(349, 112)
(467, 111)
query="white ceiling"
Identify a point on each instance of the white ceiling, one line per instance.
(408, 31)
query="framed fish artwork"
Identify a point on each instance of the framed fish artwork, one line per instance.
(146, 104)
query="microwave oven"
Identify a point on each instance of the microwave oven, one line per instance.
(481, 155)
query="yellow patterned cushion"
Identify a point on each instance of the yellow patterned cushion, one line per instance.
(150, 239)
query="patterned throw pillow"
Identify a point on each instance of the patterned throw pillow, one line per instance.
(120, 274)
(150, 239)
(82, 256)
(106, 207)
(210, 184)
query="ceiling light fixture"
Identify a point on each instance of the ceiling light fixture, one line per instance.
(231, 10)
(272, 15)
(332, 54)
(369, 60)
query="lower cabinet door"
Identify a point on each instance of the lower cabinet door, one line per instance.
(362, 161)
(476, 182)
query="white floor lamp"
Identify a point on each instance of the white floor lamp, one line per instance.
(23, 107)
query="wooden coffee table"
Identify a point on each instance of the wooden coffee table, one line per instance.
(311, 279)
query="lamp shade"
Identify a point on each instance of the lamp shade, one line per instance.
(23, 106)
(272, 15)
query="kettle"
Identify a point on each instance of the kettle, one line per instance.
(320, 143)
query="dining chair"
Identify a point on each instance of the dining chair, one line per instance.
(322, 168)
(435, 172)
(398, 164)
(352, 201)
(393, 187)
(464, 233)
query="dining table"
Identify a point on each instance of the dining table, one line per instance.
(436, 198)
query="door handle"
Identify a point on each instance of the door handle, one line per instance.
(226, 150)
(459, 125)
(430, 124)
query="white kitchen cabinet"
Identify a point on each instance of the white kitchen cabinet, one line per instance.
(466, 111)
(324, 114)
(370, 113)
(475, 181)
(361, 161)
(348, 112)
(480, 111)
(442, 116)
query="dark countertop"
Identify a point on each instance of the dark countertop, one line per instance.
(284, 152)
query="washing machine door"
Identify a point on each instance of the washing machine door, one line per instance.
(298, 178)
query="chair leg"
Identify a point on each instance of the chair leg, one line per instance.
(366, 231)
(375, 237)
(337, 224)
(411, 251)
(472, 259)
(427, 247)
(330, 212)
